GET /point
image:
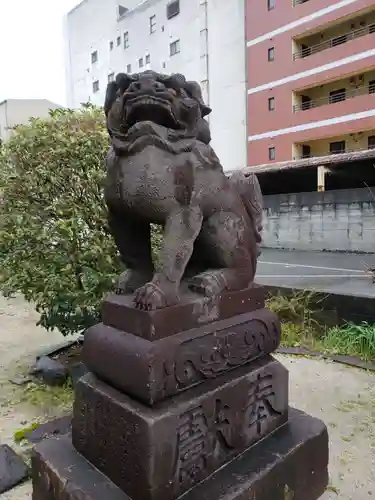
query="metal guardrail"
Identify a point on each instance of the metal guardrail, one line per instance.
(334, 42)
(338, 97)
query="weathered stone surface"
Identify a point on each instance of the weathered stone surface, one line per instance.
(54, 428)
(194, 310)
(50, 371)
(13, 469)
(20, 379)
(76, 371)
(161, 169)
(53, 350)
(152, 371)
(60, 473)
(159, 453)
(289, 464)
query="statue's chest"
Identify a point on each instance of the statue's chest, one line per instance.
(144, 181)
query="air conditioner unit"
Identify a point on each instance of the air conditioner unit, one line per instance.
(361, 79)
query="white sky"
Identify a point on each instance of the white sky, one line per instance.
(32, 49)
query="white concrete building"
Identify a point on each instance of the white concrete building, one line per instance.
(19, 111)
(203, 39)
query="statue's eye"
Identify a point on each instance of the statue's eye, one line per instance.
(175, 81)
(123, 82)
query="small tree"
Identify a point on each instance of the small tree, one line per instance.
(55, 247)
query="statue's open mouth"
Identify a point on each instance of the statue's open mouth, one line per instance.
(150, 108)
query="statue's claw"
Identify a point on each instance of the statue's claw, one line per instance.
(209, 283)
(151, 296)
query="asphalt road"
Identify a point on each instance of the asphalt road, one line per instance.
(322, 271)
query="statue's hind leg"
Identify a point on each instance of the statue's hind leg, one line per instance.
(231, 252)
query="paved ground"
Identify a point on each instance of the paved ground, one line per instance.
(323, 271)
(20, 340)
(343, 397)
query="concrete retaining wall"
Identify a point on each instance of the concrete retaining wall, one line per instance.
(342, 220)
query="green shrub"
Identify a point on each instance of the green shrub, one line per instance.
(299, 308)
(55, 247)
(300, 327)
(351, 339)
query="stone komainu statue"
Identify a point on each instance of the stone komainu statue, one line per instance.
(161, 169)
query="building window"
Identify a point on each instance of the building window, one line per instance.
(118, 41)
(173, 9)
(270, 4)
(306, 102)
(94, 57)
(371, 142)
(111, 45)
(337, 147)
(371, 87)
(148, 59)
(152, 24)
(95, 86)
(306, 151)
(111, 77)
(126, 40)
(271, 153)
(337, 96)
(140, 62)
(271, 104)
(174, 48)
(129, 69)
(271, 53)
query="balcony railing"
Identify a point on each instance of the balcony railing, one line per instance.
(298, 2)
(330, 153)
(334, 42)
(337, 97)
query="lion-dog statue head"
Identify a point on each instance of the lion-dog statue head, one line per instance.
(171, 102)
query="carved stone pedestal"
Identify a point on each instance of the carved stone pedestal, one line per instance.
(167, 404)
(290, 464)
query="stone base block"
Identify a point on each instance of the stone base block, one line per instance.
(152, 371)
(159, 453)
(193, 311)
(292, 463)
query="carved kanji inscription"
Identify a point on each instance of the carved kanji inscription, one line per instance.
(192, 446)
(261, 405)
(214, 433)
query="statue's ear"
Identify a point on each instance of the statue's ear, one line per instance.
(206, 110)
(194, 90)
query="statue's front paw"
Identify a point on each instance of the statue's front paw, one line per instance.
(151, 296)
